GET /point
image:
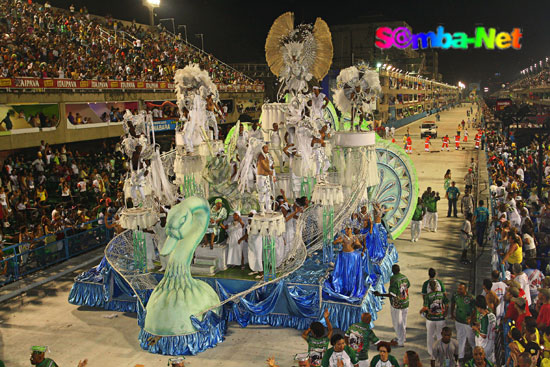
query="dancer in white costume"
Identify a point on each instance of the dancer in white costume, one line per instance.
(236, 254)
(212, 109)
(291, 214)
(291, 152)
(242, 141)
(356, 93)
(265, 174)
(319, 102)
(255, 249)
(275, 141)
(322, 162)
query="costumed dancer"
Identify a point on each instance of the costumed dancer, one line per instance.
(290, 220)
(242, 141)
(275, 141)
(465, 136)
(255, 249)
(478, 140)
(409, 145)
(380, 234)
(265, 176)
(236, 254)
(322, 162)
(290, 151)
(457, 142)
(445, 144)
(196, 122)
(217, 215)
(347, 280)
(319, 102)
(213, 109)
(427, 144)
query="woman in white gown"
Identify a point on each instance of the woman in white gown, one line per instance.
(236, 254)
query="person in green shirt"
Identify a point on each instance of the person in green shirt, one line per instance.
(435, 310)
(38, 357)
(431, 210)
(317, 342)
(360, 336)
(479, 359)
(399, 301)
(340, 355)
(462, 310)
(440, 287)
(384, 358)
(416, 222)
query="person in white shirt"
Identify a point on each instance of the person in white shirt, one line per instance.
(534, 276)
(520, 172)
(499, 288)
(521, 278)
(444, 350)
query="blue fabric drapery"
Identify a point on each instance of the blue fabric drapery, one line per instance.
(347, 281)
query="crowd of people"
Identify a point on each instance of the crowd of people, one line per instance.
(58, 192)
(41, 41)
(540, 79)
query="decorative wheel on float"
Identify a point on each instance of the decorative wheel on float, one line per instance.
(398, 187)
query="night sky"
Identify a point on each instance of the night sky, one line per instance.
(235, 31)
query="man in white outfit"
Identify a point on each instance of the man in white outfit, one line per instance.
(319, 102)
(264, 174)
(462, 308)
(399, 301)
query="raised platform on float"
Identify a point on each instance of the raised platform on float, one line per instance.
(350, 139)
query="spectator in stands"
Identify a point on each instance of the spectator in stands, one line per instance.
(543, 318)
(490, 296)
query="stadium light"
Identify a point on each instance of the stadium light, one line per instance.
(151, 5)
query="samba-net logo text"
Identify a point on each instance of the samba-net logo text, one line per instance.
(402, 37)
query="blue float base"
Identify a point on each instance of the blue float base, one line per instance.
(287, 303)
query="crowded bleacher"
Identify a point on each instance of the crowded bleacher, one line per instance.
(60, 192)
(520, 239)
(41, 41)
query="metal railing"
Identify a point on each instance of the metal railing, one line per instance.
(22, 259)
(187, 43)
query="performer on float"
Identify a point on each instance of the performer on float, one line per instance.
(217, 215)
(367, 227)
(255, 249)
(265, 176)
(322, 162)
(347, 280)
(445, 144)
(256, 132)
(291, 216)
(319, 102)
(427, 144)
(275, 143)
(242, 141)
(213, 109)
(291, 152)
(194, 124)
(457, 142)
(236, 254)
(378, 247)
(358, 98)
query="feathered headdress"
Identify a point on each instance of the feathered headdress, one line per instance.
(192, 80)
(295, 55)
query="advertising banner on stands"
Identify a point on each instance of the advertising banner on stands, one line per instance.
(32, 83)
